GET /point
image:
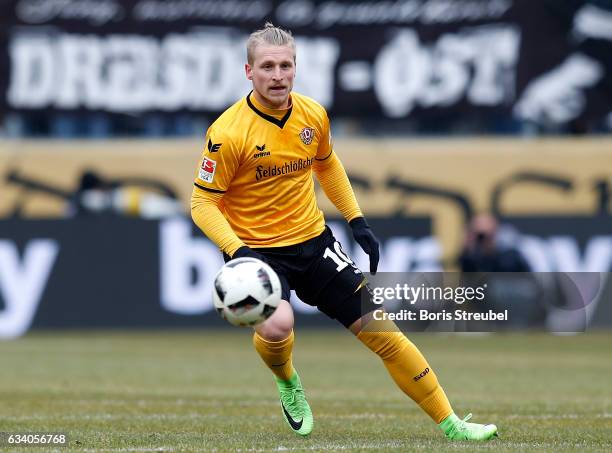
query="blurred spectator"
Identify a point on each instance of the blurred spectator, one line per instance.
(72, 125)
(101, 125)
(490, 247)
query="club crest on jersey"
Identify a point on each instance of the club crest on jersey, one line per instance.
(207, 170)
(307, 135)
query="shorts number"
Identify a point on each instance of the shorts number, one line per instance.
(338, 257)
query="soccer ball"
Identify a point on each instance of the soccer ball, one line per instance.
(247, 291)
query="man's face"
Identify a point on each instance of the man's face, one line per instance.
(272, 74)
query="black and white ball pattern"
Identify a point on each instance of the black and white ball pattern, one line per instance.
(246, 291)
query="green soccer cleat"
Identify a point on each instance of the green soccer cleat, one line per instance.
(457, 429)
(296, 410)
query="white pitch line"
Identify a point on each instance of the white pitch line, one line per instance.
(330, 447)
(555, 416)
(129, 449)
(98, 417)
(179, 402)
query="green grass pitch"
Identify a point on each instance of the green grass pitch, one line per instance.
(208, 391)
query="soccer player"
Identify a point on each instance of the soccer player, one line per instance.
(254, 197)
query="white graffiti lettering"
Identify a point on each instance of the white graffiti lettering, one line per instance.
(477, 64)
(202, 70)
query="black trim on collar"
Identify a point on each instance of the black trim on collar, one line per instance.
(207, 189)
(280, 123)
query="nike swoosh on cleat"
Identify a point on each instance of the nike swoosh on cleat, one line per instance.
(295, 425)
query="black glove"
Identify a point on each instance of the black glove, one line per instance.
(366, 239)
(247, 252)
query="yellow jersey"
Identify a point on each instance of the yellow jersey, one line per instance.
(261, 161)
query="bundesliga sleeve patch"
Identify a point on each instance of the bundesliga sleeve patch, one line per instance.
(207, 170)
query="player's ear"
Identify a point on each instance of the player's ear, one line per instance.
(248, 71)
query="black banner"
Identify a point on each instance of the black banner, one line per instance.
(107, 271)
(544, 61)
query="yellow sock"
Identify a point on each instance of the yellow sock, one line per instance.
(409, 369)
(276, 354)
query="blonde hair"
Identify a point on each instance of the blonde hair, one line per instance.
(269, 35)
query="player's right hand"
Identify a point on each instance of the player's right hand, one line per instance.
(247, 252)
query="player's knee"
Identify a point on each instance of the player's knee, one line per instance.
(278, 326)
(272, 330)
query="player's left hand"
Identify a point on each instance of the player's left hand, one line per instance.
(366, 239)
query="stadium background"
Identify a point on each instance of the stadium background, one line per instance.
(440, 110)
